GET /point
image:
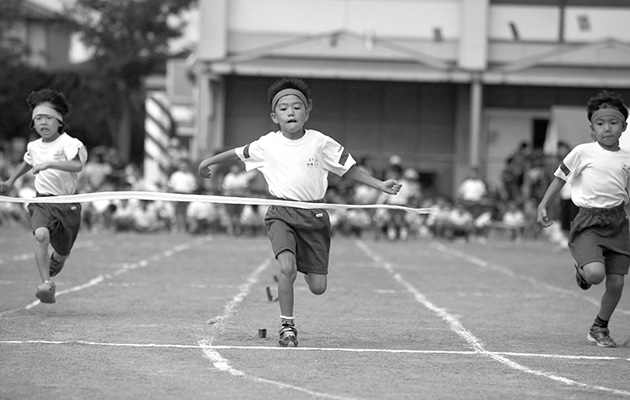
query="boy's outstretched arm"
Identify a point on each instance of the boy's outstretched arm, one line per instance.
(389, 186)
(554, 188)
(19, 171)
(204, 166)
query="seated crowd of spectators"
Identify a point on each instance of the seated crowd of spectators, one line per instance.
(477, 211)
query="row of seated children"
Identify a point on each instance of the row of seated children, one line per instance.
(505, 220)
(443, 220)
(147, 216)
(390, 223)
(206, 218)
(127, 215)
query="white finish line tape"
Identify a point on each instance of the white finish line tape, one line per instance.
(140, 195)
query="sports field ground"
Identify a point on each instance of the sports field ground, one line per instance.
(169, 316)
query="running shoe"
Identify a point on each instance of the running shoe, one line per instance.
(580, 280)
(601, 337)
(288, 336)
(46, 292)
(55, 266)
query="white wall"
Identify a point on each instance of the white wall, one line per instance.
(404, 18)
(542, 23)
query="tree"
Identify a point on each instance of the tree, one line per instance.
(129, 40)
(16, 78)
(11, 47)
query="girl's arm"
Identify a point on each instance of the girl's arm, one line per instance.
(19, 171)
(554, 188)
(389, 186)
(204, 166)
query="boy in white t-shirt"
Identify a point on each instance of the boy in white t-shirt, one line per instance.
(55, 159)
(599, 239)
(295, 163)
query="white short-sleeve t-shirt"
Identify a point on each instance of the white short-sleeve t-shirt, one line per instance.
(599, 178)
(53, 181)
(296, 169)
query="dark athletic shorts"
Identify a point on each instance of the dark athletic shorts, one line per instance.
(602, 235)
(62, 220)
(305, 233)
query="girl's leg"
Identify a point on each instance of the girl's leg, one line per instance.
(42, 258)
(56, 263)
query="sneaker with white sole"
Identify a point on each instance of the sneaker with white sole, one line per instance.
(288, 336)
(601, 337)
(46, 292)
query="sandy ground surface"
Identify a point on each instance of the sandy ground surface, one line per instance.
(177, 316)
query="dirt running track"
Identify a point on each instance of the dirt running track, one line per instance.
(177, 316)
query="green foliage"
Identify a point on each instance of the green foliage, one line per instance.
(16, 82)
(11, 48)
(129, 37)
(130, 40)
(16, 79)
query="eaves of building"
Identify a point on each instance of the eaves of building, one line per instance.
(348, 55)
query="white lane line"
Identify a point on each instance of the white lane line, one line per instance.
(205, 345)
(223, 364)
(459, 329)
(122, 270)
(244, 290)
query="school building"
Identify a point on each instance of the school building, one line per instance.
(443, 84)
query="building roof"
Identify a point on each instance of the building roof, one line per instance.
(348, 55)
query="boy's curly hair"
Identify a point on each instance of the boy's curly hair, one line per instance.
(289, 83)
(57, 100)
(606, 99)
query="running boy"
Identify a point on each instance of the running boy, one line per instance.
(55, 159)
(599, 240)
(295, 163)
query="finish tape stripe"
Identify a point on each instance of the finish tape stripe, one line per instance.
(140, 195)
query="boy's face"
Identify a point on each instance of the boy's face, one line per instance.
(47, 126)
(607, 130)
(291, 114)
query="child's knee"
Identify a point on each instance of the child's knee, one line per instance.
(594, 273)
(288, 265)
(288, 270)
(42, 235)
(318, 289)
(316, 283)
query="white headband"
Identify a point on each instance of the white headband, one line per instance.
(286, 92)
(45, 110)
(607, 112)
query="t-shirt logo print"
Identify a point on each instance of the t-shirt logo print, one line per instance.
(59, 155)
(312, 162)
